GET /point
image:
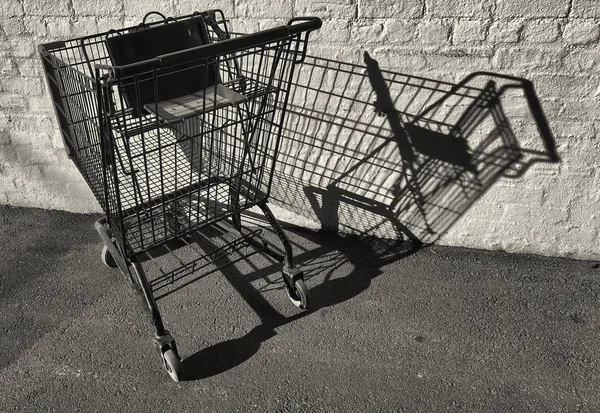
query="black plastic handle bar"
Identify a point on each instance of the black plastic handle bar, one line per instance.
(308, 24)
(224, 47)
(212, 50)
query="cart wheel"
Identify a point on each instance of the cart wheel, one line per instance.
(107, 258)
(173, 365)
(299, 296)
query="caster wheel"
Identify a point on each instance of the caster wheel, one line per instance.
(173, 365)
(107, 258)
(299, 296)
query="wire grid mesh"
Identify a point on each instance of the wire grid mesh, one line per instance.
(362, 170)
(177, 264)
(198, 169)
(158, 180)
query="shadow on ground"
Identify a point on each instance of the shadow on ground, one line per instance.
(394, 159)
(360, 259)
(433, 330)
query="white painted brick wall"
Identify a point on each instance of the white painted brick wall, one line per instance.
(551, 209)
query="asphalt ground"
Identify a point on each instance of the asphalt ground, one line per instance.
(389, 329)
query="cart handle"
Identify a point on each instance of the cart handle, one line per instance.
(308, 24)
(221, 48)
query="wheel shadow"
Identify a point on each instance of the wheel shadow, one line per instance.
(336, 270)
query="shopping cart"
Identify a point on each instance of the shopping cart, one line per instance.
(175, 146)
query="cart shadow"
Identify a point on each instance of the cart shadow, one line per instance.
(226, 355)
(340, 268)
(336, 269)
(393, 159)
(377, 153)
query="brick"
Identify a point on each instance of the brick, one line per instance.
(40, 104)
(30, 67)
(12, 102)
(8, 155)
(343, 53)
(505, 32)
(4, 140)
(97, 7)
(526, 59)
(573, 110)
(390, 9)
(5, 120)
(35, 26)
(585, 8)
(399, 60)
(244, 25)
(21, 47)
(582, 155)
(255, 8)
(458, 62)
(332, 31)
(190, 6)
(469, 31)
(400, 31)
(581, 32)
(138, 8)
(108, 23)
(22, 86)
(365, 33)
(460, 8)
(37, 154)
(433, 32)
(566, 87)
(565, 129)
(7, 67)
(11, 8)
(532, 8)
(541, 31)
(27, 122)
(327, 9)
(79, 189)
(47, 8)
(59, 172)
(59, 28)
(25, 138)
(85, 25)
(57, 139)
(13, 26)
(513, 196)
(3, 196)
(582, 60)
(265, 23)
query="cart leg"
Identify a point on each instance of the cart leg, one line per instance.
(163, 340)
(108, 239)
(288, 257)
(293, 278)
(236, 218)
(111, 254)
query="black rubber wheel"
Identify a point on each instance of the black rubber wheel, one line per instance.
(173, 365)
(299, 296)
(107, 258)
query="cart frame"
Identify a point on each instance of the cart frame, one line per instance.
(100, 134)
